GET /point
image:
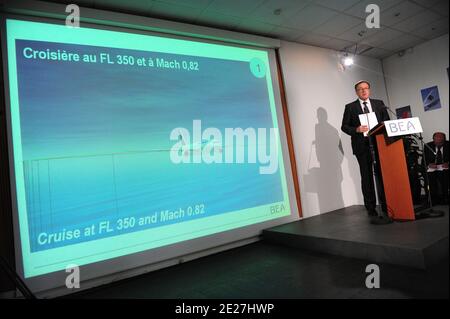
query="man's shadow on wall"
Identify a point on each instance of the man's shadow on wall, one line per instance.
(326, 179)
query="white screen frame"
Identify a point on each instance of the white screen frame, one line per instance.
(108, 270)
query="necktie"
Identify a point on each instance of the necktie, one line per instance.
(439, 156)
(366, 109)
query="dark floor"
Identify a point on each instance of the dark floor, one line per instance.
(264, 270)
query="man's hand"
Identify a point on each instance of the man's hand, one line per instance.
(362, 129)
(432, 165)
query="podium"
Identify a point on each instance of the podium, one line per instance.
(394, 172)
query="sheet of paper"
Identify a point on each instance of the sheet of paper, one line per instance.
(437, 169)
(368, 119)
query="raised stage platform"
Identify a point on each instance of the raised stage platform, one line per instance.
(347, 232)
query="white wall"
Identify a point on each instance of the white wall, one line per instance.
(329, 179)
(421, 67)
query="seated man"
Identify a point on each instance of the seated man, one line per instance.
(438, 168)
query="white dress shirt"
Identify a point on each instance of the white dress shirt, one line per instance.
(369, 106)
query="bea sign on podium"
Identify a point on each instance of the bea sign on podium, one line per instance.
(403, 127)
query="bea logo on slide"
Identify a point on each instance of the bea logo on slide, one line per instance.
(211, 146)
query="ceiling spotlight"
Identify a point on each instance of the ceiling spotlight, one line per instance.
(346, 58)
(348, 61)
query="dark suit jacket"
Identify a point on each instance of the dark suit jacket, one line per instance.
(350, 123)
(431, 158)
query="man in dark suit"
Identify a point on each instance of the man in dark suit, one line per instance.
(438, 159)
(360, 144)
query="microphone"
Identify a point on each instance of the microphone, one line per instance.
(387, 108)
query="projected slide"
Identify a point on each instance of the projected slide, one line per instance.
(126, 142)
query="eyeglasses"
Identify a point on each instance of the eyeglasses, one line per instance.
(362, 89)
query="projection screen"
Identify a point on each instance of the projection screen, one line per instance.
(129, 148)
